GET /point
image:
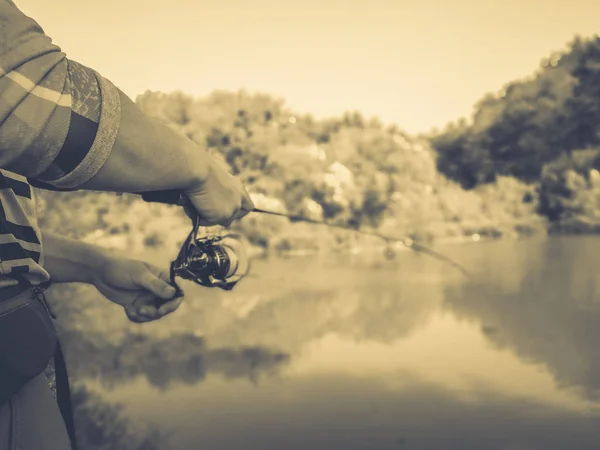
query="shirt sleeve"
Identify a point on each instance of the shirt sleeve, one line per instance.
(58, 119)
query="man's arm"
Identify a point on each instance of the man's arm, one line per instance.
(143, 290)
(65, 125)
(72, 261)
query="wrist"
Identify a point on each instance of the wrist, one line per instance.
(100, 259)
(92, 261)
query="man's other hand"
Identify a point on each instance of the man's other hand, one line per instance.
(220, 199)
(143, 290)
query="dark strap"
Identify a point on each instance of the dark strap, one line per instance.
(63, 394)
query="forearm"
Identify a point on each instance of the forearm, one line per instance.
(148, 155)
(71, 261)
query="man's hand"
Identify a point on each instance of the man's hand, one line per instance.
(220, 199)
(142, 289)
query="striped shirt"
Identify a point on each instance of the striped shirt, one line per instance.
(58, 123)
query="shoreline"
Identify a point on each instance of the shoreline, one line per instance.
(121, 241)
(255, 251)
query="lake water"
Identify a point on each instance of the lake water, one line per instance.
(360, 353)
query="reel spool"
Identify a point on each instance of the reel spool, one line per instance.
(211, 261)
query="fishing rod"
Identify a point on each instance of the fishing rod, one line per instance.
(221, 261)
(388, 239)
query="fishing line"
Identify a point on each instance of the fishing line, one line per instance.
(388, 239)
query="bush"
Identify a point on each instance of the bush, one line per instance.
(570, 192)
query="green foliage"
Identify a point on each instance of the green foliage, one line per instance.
(530, 122)
(570, 191)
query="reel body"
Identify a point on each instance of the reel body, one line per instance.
(211, 261)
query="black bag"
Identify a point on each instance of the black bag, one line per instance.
(28, 342)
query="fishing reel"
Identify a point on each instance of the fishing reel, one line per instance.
(210, 261)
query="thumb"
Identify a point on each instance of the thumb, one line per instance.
(156, 284)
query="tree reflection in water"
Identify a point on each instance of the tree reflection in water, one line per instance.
(550, 316)
(102, 426)
(182, 358)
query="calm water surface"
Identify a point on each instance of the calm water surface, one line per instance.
(361, 353)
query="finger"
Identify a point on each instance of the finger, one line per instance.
(222, 165)
(155, 284)
(242, 213)
(146, 312)
(170, 306)
(224, 221)
(163, 274)
(234, 216)
(134, 316)
(207, 223)
(239, 212)
(247, 203)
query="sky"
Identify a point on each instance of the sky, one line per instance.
(417, 63)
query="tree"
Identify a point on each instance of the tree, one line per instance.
(529, 122)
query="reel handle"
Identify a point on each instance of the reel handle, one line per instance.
(170, 197)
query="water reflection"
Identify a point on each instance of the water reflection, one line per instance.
(294, 302)
(349, 411)
(182, 358)
(102, 426)
(552, 318)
